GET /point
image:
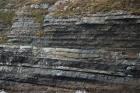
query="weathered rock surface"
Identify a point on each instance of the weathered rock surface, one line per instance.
(77, 53)
(23, 29)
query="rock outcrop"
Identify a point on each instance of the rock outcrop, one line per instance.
(24, 28)
(77, 53)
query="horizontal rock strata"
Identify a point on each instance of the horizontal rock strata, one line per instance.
(101, 49)
(23, 28)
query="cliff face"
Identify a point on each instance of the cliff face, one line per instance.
(98, 31)
(23, 28)
(100, 50)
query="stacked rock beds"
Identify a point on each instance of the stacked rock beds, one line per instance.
(78, 53)
(23, 28)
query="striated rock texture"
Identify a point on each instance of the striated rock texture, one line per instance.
(97, 52)
(23, 28)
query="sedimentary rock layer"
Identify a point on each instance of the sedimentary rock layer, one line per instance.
(78, 52)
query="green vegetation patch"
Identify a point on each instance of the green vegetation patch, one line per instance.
(51, 2)
(3, 39)
(6, 17)
(93, 6)
(38, 15)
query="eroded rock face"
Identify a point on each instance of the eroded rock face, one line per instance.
(98, 31)
(78, 53)
(23, 28)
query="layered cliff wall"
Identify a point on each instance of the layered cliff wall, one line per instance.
(100, 50)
